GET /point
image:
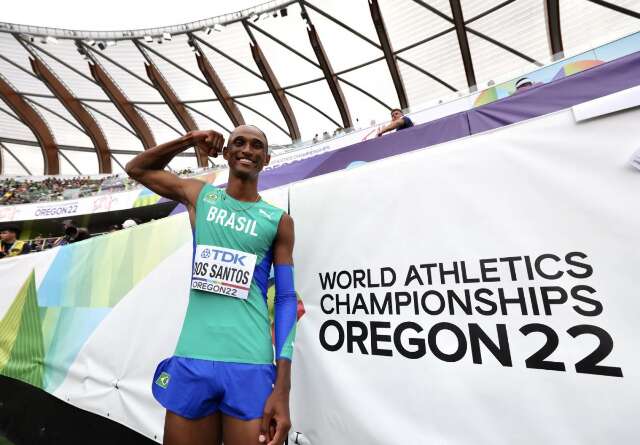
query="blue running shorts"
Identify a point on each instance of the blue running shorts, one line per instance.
(194, 388)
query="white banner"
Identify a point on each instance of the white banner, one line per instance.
(69, 208)
(482, 291)
(323, 146)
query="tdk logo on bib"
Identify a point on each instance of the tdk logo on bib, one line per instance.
(223, 256)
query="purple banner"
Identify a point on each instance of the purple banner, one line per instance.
(560, 94)
(420, 136)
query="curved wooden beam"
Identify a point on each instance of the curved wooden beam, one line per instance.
(390, 57)
(617, 8)
(74, 106)
(178, 109)
(463, 42)
(215, 83)
(274, 86)
(36, 124)
(330, 76)
(124, 106)
(552, 9)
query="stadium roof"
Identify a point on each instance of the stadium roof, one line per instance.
(87, 101)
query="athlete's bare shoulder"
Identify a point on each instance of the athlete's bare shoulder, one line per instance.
(286, 223)
(284, 241)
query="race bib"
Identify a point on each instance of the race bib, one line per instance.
(223, 271)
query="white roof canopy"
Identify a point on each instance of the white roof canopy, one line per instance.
(86, 102)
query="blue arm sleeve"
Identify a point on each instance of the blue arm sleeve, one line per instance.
(285, 311)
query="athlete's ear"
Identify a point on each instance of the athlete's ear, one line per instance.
(267, 158)
(225, 153)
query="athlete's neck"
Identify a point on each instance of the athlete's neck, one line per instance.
(242, 189)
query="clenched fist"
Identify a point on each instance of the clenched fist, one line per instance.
(209, 141)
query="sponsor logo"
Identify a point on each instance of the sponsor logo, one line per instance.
(102, 204)
(163, 380)
(228, 257)
(59, 210)
(211, 197)
(206, 253)
(267, 215)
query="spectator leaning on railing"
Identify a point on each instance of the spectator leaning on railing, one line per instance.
(398, 122)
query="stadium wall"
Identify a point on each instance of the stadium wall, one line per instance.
(31, 416)
(88, 322)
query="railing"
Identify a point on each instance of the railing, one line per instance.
(224, 19)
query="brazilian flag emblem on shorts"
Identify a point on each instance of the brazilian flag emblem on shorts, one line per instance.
(163, 380)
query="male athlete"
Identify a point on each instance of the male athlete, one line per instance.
(221, 384)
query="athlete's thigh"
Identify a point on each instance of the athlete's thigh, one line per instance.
(179, 430)
(240, 432)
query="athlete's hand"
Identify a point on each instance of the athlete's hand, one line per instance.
(275, 419)
(209, 141)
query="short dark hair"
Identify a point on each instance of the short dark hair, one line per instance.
(14, 229)
(396, 109)
(262, 132)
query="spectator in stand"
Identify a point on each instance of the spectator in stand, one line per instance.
(35, 245)
(18, 191)
(72, 233)
(22, 191)
(48, 244)
(524, 84)
(185, 171)
(129, 223)
(315, 139)
(10, 245)
(81, 235)
(398, 122)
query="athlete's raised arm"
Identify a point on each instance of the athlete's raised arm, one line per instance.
(275, 420)
(148, 167)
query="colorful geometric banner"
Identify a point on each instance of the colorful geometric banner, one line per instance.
(88, 322)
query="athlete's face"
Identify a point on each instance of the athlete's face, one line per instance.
(395, 115)
(246, 151)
